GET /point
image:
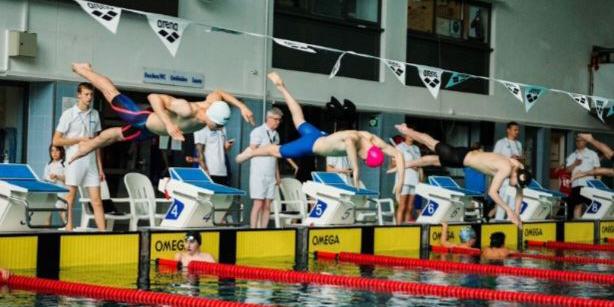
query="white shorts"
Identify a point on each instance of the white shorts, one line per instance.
(81, 173)
(261, 187)
(408, 189)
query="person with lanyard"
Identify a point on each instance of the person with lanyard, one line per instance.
(405, 144)
(78, 124)
(264, 171)
(509, 147)
(211, 149)
(579, 161)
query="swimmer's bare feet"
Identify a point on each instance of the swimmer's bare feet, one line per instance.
(245, 155)
(76, 67)
(85, 147)
(402, 128)
(276, 79)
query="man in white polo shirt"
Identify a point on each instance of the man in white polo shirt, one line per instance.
(263, 171)
(510, 147)
(211, 148)
(581, 160)
(78, 124)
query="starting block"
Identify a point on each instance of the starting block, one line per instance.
(537, 202)
(196, 200)
(25, 200)
(446, 200)
(336, 201)
(601, 197)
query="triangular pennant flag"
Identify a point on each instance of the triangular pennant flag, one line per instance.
(457, 78)
(431, 77)
(514, 88)
(531, 94)
(106, 15)
(335, 70)
(581, 100)
(169, 30)
(600, 105)
(294, 45)
(398, 68)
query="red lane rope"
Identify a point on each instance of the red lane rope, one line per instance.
(477, 252)
(476, 268)
(609, 240)
(124, 295)
(573, 246)
(381, 285)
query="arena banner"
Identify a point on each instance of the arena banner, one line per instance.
(431, 77)
(582, 100)
(606, 230)
(542, 232)
(531, 94)
(457, 78)
(396, 239)
(398, 69)
(579, 232)
(18, 252)
(266, 243)
(166, 245)
(169, 30)
(98, 249)
(514, 88)
(335, 240)
(106, 15)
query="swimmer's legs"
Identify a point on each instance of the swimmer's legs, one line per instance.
(105, 138)
(295, 108)
(102, 83)
(270, 150)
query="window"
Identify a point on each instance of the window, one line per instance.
(450, 34)
(341, 24)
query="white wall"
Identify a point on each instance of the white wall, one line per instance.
(541, 42)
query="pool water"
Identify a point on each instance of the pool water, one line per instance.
(263, 292)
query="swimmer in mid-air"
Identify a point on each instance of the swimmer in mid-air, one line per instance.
(313, 141)
(170, 116)
(492, 164)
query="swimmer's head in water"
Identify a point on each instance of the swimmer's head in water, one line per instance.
(192, 237)
(218, 113)
(466, 234)
(497, 239)
(523, 178)
(375, 157)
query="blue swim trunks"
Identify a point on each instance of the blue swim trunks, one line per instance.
(134, 116)
(302, 146)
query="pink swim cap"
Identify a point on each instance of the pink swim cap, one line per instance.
(375, 157)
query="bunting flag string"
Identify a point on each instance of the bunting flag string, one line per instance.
(170, 31)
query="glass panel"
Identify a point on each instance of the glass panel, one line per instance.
(420, 15)
(476, 23)
(367, 10)
(330, 8)
(449, 15)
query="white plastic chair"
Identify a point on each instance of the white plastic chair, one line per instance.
(295, 202)
(378, 212)
(87, 213)
(143, 201)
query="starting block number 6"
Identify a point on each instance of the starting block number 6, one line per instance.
(430, 209)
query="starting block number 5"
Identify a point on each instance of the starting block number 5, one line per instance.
(318, 209)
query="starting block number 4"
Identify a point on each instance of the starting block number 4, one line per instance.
(175, 210)
(430, 209)
(318, 209)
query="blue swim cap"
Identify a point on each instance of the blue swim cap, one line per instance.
(466, 234)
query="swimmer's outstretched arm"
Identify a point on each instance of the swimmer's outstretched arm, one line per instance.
(162, 103)
(399, 162)
(352, 154)
(246, 113)
(600, 171)
(604, 148)
(493, 192)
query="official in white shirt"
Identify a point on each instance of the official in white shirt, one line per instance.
(405, 144)
(581, 160)
(340, 165)
(211, 148)
(80, 123)
(510, 147)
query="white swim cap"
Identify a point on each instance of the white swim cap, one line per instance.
(219, 112)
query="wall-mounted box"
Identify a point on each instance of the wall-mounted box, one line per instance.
(22, 44)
